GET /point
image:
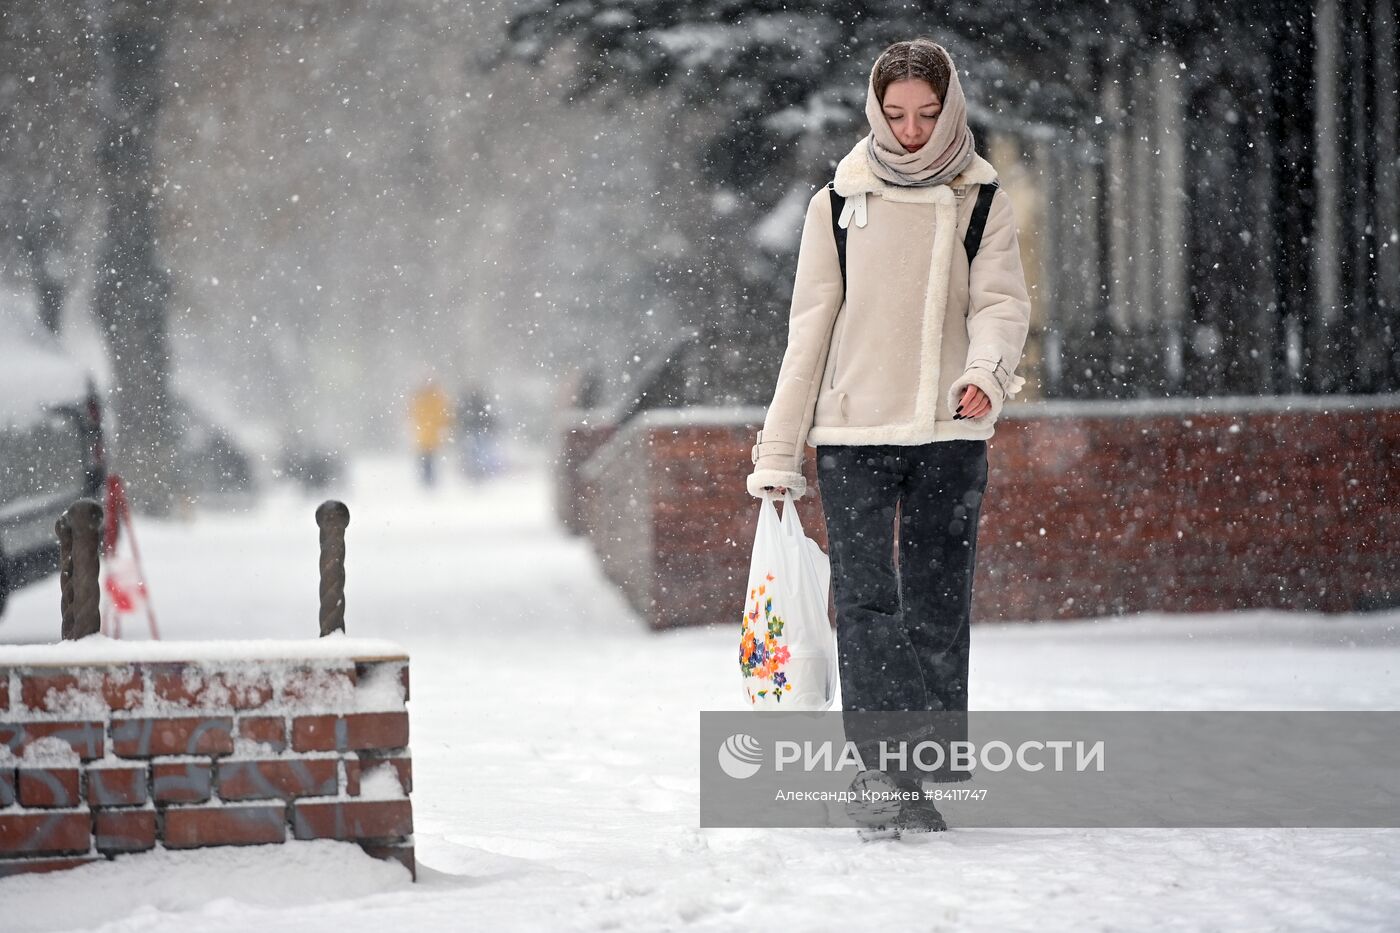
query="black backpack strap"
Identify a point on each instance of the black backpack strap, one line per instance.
(972, 242)
(838, 204)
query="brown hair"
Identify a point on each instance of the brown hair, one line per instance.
(917, 58)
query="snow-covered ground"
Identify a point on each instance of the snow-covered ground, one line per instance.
(555, 753)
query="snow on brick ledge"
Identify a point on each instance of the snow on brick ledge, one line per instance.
(111, 747)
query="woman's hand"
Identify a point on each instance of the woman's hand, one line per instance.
(973, 404)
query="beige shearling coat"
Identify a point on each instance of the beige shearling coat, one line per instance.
(885, 364)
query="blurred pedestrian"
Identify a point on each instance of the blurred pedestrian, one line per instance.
(904, 335)
(430, 411)
(476, 423)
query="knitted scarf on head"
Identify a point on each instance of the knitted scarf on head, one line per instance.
(949, 150)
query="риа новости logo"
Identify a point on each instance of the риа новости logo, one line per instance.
(740, 756)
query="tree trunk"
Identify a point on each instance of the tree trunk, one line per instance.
(48, 287)
(132, 288)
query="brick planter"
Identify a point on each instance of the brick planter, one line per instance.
(109, 748)
(1092, 509)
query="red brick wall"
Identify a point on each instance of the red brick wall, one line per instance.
(180, 754)
(1152, 506)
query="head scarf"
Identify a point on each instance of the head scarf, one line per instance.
(948, 151)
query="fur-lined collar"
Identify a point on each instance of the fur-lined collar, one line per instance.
(854, 176)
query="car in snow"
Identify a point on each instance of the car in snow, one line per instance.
(51, 445)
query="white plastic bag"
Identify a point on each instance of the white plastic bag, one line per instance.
(787, 653)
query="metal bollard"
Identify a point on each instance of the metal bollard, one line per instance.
(84, 520)
(64, 531)
(333, 518)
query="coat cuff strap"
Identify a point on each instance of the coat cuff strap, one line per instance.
(771, 449)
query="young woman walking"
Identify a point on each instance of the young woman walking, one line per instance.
(900, 355)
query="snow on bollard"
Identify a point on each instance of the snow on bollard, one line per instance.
(84, 521)
(333, 518)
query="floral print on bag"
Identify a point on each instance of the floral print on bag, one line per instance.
(761, 654)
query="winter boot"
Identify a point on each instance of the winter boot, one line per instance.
(872, 805)
(920, 815)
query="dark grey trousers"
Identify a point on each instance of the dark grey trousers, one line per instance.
(903, 621)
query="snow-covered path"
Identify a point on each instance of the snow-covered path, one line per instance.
(555, 748)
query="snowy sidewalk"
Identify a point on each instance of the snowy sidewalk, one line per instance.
(555, 749)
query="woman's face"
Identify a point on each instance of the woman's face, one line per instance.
(912, 109)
